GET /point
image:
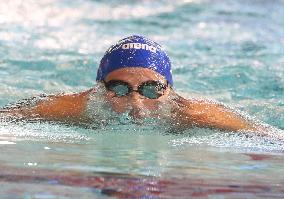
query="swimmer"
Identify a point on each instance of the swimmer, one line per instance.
(134, 77)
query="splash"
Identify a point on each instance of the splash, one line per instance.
(227, 140)
(101, 114)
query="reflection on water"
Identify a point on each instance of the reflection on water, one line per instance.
(117, 163)
(116, 160)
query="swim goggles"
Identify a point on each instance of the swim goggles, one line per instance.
(149, 89)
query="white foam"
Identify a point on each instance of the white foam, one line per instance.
(40, 131)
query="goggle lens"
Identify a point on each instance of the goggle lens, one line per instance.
(150, 89)
(120, 88)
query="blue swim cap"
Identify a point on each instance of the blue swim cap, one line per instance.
(135, 51)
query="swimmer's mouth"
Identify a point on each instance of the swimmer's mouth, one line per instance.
(137, 116)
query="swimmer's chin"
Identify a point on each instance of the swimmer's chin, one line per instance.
(137, 115)
(142, 118)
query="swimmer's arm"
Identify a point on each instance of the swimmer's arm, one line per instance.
(210, 115)
(218, 116)
(67, 107)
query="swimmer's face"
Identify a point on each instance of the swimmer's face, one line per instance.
(139, 106)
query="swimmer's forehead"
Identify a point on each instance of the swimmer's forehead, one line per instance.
(135, 74)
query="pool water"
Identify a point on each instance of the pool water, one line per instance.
(229, 51)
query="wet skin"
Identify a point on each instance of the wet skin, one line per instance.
(136, 103)
(184, 113)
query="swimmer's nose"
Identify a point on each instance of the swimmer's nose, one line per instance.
(136, 104)
(135, 100)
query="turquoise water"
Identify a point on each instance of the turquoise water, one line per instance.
(229, 51)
